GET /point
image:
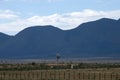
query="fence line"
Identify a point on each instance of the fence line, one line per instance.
(60, 75)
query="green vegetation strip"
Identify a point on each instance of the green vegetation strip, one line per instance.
(49, 66)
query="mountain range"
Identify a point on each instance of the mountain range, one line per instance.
(100, 38)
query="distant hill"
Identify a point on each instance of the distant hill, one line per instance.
(99, 38)
(4, 38)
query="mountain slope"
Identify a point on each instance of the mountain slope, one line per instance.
(93, 39)
(97, 38)
(35, 41)
(4, 38)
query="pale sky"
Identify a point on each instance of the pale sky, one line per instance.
(15, 15)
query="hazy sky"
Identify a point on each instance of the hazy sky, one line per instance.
(16, 15)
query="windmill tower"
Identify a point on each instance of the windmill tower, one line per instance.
(57, 57)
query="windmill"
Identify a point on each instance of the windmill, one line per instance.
(57, 57)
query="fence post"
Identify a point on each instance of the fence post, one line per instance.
(88, 75)
(94, 75)
(99, 75)
(83, 75)
(69, 75)
(116, 76)
(104, 76)
(3, 75)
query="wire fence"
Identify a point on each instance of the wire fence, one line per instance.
(67, 74)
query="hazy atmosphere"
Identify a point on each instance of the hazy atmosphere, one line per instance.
(15, 15)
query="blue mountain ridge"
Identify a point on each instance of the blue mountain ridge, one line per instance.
(100, 38)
